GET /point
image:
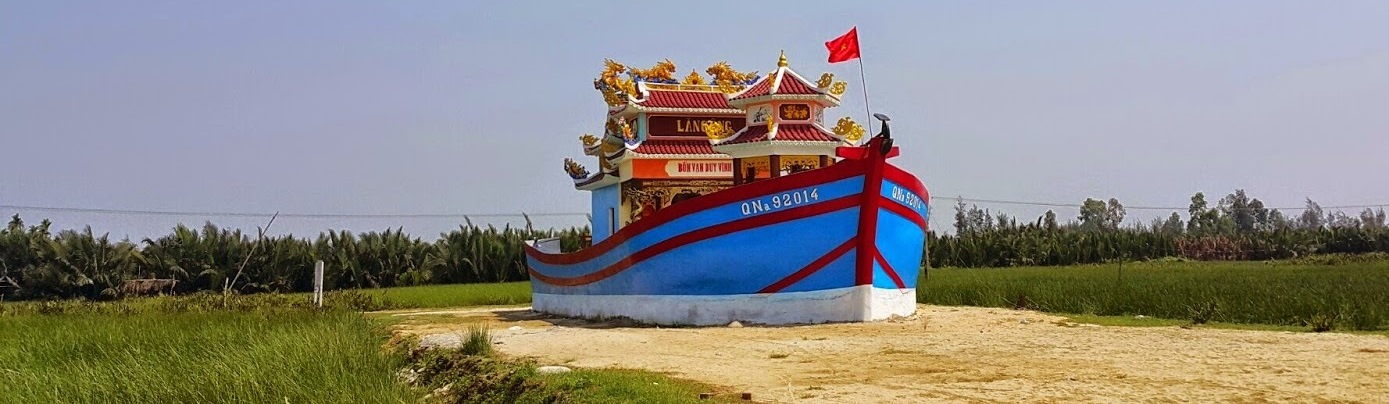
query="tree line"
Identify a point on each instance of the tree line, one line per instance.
(1237, 227)
(36, 263)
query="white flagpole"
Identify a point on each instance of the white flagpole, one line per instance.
(864, 81)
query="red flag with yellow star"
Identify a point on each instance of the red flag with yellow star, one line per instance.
(845, 47)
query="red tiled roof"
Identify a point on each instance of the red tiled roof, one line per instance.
(788, 133)
(655, 146)
(757, 90)
(684, 99)
(792, 85)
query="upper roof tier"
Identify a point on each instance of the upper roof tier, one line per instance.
(725, 90)
(684, 99)
(678, 98)
(686, 147)
(782, 133)
(694, 90)
(784, 84)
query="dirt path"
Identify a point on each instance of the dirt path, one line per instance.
(960, 354)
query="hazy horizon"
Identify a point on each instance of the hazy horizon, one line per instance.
(453, 108)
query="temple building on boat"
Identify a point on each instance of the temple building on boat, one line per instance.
(667, 140)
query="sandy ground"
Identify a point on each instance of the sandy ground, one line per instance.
(959, 354)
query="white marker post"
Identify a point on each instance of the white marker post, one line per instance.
(318, 283)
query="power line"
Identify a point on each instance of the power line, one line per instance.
(1136, 207)
(559, 214)
(294, 215)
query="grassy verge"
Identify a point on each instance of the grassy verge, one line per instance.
(1128, 321)
(278, 349)
(294, 357)
(479, 294)
(1320, 295)
(457, 295)
(473, 373)
(600, 386)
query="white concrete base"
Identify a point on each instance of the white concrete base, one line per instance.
(858, 303)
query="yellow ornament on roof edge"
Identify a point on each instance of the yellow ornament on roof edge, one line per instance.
(716, 130)
(724, 75)
(848, 129)
(839, 88)
(694, 79)
(825, 80)
(589, 140)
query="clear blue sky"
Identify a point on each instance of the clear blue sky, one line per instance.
(440, 107)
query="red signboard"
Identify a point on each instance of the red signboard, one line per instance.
(679, 168)
(689, 125)
(794, 112)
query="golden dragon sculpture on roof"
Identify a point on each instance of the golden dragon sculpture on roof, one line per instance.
(616, 89)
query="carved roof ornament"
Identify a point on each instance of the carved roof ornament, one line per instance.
(782, 61)
(615, 90)
(839, 88)
(610, 128)
(611, 69)
(574, 169)
(610, 148)
(827, 82)
(848, 129)
(716, 130)
(724, 76)
(627, 133)
(694, 79)
(662, 72)
(588, 140)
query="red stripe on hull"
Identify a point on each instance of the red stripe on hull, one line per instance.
(810, 269)
(839, 171)
(868, 213)
(888, 269)
(697, 236)
(905, 212)
(906, 179)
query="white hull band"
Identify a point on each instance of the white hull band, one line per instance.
(851, 304)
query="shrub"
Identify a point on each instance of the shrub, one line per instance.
(1322, 322)
(478, 341)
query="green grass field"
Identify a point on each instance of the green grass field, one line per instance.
(476, 294)
(1351, 295)
(275, 349)
(630, 386)
(266, 349)
(295, 357)
(1343, 293)
(412, 297)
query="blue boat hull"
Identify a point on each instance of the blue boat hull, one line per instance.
(841, 243)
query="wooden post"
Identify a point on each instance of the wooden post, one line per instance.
(1121, 271)
(774, 164)
(318, 283)
(737, 171)
(926, 248)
